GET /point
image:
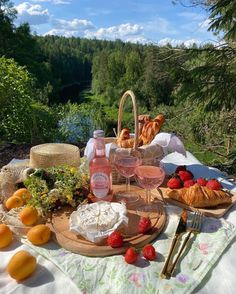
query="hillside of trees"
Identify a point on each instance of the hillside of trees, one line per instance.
(59, 89)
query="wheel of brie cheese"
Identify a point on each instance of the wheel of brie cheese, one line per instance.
(96, 217)
(97, 220)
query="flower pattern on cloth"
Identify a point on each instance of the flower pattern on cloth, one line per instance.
(137, 279)
(182, 278)
(113, 275)
(204, 248)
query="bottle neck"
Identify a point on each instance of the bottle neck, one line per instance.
(99, 146)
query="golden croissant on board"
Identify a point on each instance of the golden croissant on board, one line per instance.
(200, 196)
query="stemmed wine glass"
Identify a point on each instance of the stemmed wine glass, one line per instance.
(126, 164)
(149, 177)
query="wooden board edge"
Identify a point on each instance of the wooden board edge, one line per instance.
(60, 239)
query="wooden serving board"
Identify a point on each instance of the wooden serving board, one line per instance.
(59, 224)
(217, 211)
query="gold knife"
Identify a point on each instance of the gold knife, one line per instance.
(181, 228)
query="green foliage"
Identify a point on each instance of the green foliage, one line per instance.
(22, 118)
(16, 92)
(208, 76)
(44, 123)
(222, 16)
(194, 87)
(7, 16)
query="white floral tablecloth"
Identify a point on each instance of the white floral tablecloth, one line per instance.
(113, 275)
(208, 267)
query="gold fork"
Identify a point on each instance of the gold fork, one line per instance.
(195, 227)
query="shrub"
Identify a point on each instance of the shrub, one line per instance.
(77, 122)
(16, 92)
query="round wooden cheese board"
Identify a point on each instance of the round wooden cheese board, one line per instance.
(59, 224)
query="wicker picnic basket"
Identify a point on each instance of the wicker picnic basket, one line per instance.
(150, 154)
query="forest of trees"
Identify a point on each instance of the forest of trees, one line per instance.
(58, 89)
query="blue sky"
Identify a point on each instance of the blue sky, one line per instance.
(144, 21)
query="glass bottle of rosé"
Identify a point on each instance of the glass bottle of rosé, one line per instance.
(100, 171)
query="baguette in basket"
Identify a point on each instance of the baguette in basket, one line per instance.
(147, 130)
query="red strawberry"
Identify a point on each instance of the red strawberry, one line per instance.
(202, 181)
(115, 240)
(185, 175)
(174, 183)
(213, 184)
(149, 252)
(144, 225)
(131, 255)
(179, 168)
(189, 183)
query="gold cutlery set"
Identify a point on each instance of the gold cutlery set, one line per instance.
(192, 227)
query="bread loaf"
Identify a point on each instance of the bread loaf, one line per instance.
(147, 131)
(151, 128)
(200, 196)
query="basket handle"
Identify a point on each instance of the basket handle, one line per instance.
(135, 110)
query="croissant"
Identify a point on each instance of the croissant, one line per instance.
(124, 140)
(124, 134)
(200, 196)
(126, 143)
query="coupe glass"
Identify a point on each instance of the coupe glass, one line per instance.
(126, 164)
(149, 177)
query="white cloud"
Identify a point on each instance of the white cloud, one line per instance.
(60, 32)
(176, 42)
(68, 28)
(61, 2)
(137, 39)
(78, 25)
(85, 28)
(34, 14)
(56, 2)
(123, 31)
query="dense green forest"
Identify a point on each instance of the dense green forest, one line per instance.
(59, 89)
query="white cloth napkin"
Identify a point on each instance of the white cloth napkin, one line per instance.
(168, 141)
(46, 279)
(89, 149)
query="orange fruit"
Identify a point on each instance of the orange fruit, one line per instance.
(6, 236)
(21, 265)
(29, 215)
(13, 202)
(39, 234)
(23, 193)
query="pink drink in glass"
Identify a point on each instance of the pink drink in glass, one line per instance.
(149, 177)
(126, 166)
